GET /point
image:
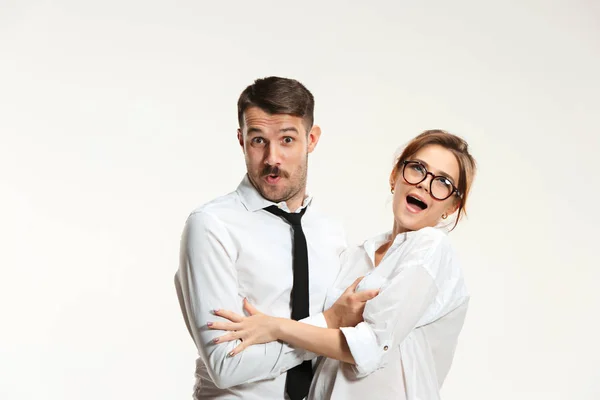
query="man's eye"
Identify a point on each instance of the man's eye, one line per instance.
(258, 140)
(288, 140)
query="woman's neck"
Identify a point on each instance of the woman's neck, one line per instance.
(382, 250)
(398, 229)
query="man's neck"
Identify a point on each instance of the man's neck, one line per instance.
(295, 202)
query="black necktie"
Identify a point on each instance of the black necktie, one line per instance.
(299, 377)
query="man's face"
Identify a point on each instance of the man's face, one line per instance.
(276, 150)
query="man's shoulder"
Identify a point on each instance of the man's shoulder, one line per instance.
(218, 208)
(221, 204)
(325, 220)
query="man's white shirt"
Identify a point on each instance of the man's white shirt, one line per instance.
(232, 248)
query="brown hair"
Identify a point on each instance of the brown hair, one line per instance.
(460, 149)
(276, 95)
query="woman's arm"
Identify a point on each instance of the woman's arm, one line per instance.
(326, 342)
(330, 342)
(259, 328)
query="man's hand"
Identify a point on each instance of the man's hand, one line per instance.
(348, 309)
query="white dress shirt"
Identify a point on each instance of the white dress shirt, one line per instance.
(404, 347)
(230, 249)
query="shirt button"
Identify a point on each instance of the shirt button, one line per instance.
(385, 348)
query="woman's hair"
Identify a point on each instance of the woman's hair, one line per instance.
(459, 148)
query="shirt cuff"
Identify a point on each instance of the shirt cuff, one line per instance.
(316, 320)
(365, 348)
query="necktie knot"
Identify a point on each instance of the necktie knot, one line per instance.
(293, 219)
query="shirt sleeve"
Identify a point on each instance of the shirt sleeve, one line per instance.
(317, 320)
(207, 280)
(402, 301)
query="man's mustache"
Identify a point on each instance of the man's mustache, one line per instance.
(274, 170)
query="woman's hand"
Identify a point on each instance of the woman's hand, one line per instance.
(349, 308)
(256, 329)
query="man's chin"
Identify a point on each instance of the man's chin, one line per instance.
(274, 194)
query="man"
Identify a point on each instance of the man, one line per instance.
(265, 242)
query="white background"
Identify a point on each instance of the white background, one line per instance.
(117, 118)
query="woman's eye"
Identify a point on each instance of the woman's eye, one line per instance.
(445, 182)
(418, 168)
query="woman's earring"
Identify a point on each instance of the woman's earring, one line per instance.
(392, 190)
(444, 216)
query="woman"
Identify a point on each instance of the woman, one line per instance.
(404, 346)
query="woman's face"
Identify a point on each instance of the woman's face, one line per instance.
(414, 205)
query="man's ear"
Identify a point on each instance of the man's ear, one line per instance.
(313, 137)
(240, 137)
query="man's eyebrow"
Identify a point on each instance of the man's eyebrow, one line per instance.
(288, 129)
(254, 130)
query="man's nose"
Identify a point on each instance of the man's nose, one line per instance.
(273, 154)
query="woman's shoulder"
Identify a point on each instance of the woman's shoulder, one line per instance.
(430, 248)
(429, 240)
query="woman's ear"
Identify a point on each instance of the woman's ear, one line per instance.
(393, 176)
(454, 206)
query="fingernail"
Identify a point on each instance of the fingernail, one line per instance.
(216, 340)
(209, 324)
(216, 310)
(231, 354)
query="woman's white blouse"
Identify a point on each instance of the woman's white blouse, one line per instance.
(404, 347)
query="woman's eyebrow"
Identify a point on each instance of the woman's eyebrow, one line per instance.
(441, 173)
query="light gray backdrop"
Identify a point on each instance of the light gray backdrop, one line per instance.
(117, 118)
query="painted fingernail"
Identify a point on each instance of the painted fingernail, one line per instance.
(209, 324)
(216, 310)
(216, 340)
(231, 354)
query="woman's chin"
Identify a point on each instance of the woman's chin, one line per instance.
(409, 221)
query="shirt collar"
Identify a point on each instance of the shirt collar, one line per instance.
(372, 244)
(253, 200)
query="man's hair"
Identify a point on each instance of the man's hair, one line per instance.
(276, 95)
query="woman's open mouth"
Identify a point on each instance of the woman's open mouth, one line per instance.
(415, 204)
